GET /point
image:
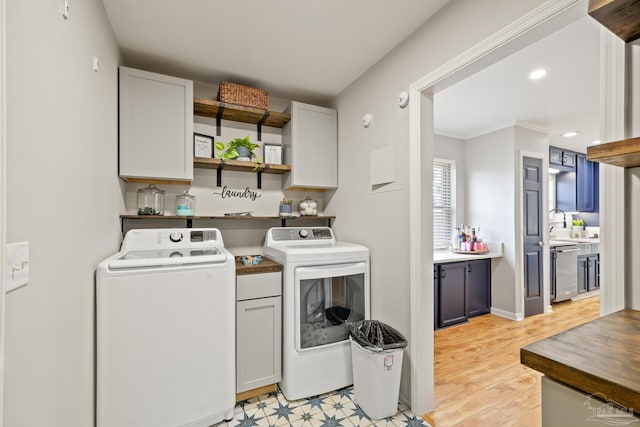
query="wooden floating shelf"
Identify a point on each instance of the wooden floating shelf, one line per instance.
(238, 113)
(230, 217)
(188, 220)
(625, 153)
(621, 17)
(237, 165)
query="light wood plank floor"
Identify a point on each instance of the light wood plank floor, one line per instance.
(479, 380)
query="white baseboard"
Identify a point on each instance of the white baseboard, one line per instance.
(507, 314)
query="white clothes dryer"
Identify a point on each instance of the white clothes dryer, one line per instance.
(325, 284)
(165, 321)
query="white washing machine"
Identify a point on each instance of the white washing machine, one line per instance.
(165, 330)
(325, 283)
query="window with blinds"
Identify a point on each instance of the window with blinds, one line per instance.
(443, 202)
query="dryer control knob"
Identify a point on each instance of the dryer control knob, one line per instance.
(303, 233)
(175, 236)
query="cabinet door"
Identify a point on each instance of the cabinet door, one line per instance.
(156, 126)
(479, 287)
(555, 156)
(436, 304)
(310, 143)
(592, 272)
(568, 159)
(586, 184)
(583, 274)
(258, 343)
(553, 275)
(452, 294)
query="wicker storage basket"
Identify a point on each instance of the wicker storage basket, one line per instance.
(243, 95)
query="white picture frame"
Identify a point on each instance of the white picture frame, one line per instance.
(202, 145)
(272, 154)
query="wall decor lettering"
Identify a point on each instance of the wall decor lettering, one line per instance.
(247, 193)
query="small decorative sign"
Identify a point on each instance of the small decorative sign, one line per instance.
(247, 193)
(202, 145)
(273, 154)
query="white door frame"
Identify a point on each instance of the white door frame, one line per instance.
(3, 192)
(548, 17)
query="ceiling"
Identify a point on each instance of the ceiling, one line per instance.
(305, 50)
(502, 95)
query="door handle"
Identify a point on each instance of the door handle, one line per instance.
(469, 268)
(443, 273)
(541, 243)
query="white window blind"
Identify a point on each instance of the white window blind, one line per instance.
(443, 202)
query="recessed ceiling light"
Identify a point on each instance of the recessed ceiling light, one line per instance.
(538, 74)
(596, 142)
(570, 134)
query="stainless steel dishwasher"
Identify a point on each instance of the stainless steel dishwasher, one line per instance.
(566, 261)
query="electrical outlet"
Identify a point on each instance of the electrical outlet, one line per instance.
(16, 265)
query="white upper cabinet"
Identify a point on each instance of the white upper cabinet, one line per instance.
(310, 142)
(156, 127)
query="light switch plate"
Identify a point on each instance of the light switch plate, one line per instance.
(16, 265)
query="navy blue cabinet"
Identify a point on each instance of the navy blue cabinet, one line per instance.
(577, 190)
(564, 158)
(451, 294)
(479, 286)
(461, 290)
(587, 181)
(588, 273)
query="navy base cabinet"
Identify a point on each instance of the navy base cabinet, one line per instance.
(479, 286)
(588, 273)
(461, 290)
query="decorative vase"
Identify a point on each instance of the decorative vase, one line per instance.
(243, 154)
(285, 210)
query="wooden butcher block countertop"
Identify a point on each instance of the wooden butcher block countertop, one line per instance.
(266, 266)
(601, 356)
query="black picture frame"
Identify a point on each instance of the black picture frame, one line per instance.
(202, 145)
(272, 153)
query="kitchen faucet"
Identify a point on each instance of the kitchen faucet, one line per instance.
(564, 217)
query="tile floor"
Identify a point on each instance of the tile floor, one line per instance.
(327, 410)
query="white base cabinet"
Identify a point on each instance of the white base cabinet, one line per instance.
(310, 143)
(258, 333)
(156, 127)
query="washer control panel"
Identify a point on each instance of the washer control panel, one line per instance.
(296, 233)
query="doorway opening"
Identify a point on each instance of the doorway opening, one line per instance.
(546, 19)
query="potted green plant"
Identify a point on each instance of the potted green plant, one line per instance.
(286, 207)
(239, 148)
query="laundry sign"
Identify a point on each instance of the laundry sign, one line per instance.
(230, 193)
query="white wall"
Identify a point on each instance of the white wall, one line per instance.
(490, 179)
(445, 147)
(64, 197)
(459, 26)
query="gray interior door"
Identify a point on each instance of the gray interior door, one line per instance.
(532, 209)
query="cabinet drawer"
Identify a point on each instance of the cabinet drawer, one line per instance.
(259, 285)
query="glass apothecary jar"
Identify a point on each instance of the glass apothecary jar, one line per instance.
(150, 200)
(308, 207)
(185, 204)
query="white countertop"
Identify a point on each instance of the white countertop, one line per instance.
(576, 239)
(495, 251)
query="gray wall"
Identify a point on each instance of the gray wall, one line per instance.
(445, 147)
(64, 197)
(380, 221)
